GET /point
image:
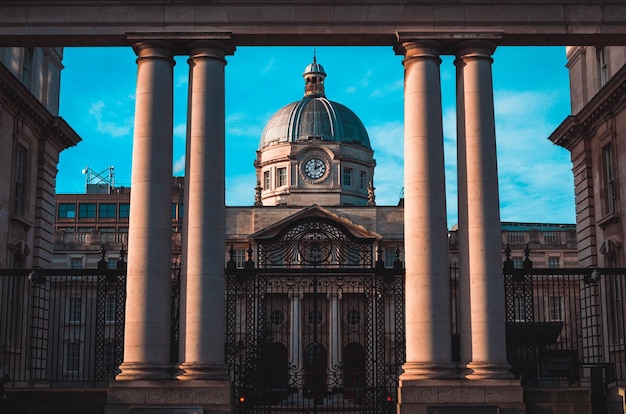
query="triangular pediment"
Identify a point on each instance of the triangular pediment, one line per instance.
(315, 213)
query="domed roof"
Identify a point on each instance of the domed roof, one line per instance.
(315, 117)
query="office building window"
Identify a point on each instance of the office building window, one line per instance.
(556, 308)
(240, 258)
(72, 358)
(76, 263)
(603, 71)
(347, 177)
(67, 210)
(106, 210)
(21, 160)
(74, 313)
(363, 180)
(266, 180)
(609, 180)
(518, 263)
(124, 210)
(86, 210)
(553, 263)
(282, 176)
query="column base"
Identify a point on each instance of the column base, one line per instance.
(189, 371)
(454, 396)
(482, 371)
(132, 371)
(425, 371)
(212, 397)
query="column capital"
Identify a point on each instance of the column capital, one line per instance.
(156, 49)
(475, 48)
(210, 48)
(423, 48)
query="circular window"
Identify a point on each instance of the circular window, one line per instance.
(354, 317)
(277, 317)
(315, 317)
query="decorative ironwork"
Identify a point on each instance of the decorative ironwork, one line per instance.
(315, 243)
(326, 335)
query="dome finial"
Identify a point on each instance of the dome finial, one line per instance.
(314, 76)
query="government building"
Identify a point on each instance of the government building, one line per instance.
(159, 298)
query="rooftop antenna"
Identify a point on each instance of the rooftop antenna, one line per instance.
(102, 182)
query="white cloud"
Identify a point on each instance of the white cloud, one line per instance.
(98, 113)
(240, 189)
(179, 165)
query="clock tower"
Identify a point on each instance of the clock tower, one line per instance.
(314, 151)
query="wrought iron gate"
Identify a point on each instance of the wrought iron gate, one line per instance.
(323, 333)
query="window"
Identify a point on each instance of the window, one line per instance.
(67, 210)
(109, 356)
(74, 310)
(76, 263)
(601, 60)
(277, 317)
(112, 263)
(354, 317)
(124, 210)
(181, 211)
(240, 258)
(347, 177)
(315, 317)
(21, 158)
(555, 307)
(390, 257)
(519, 308)
(266, 180)
(362, 180)
(174, 210)
(553, 263)
(109, 310)
(106, 210)
(518, 263)
(72, 358)
(282, 176)
(86, 210)
(27, 67)
(609, 180)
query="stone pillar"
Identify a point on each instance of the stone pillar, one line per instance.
(203, 283)
(428, 316)
(479, 192)
(147, 327)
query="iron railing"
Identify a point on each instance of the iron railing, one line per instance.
(61, 326)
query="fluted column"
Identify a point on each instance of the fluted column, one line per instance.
(428, 316)
(204, 226)
(147, 326)
(477, 144)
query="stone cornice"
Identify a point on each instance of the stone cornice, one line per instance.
(23, 102)
(608, 101)
(297, 22)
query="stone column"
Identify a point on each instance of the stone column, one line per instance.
(203, 282)
(428, 316)
(481, 231)
(147, 326)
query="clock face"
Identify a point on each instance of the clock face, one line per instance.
(314, 168)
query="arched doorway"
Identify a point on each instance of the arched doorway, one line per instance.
(315, 377)
(353, 370)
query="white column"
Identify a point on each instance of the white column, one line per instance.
(334, 357)
(483, 246)
(295, 347)
(203, 250)
(147, 327)
(428, 317)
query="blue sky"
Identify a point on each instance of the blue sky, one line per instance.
(531, 99)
